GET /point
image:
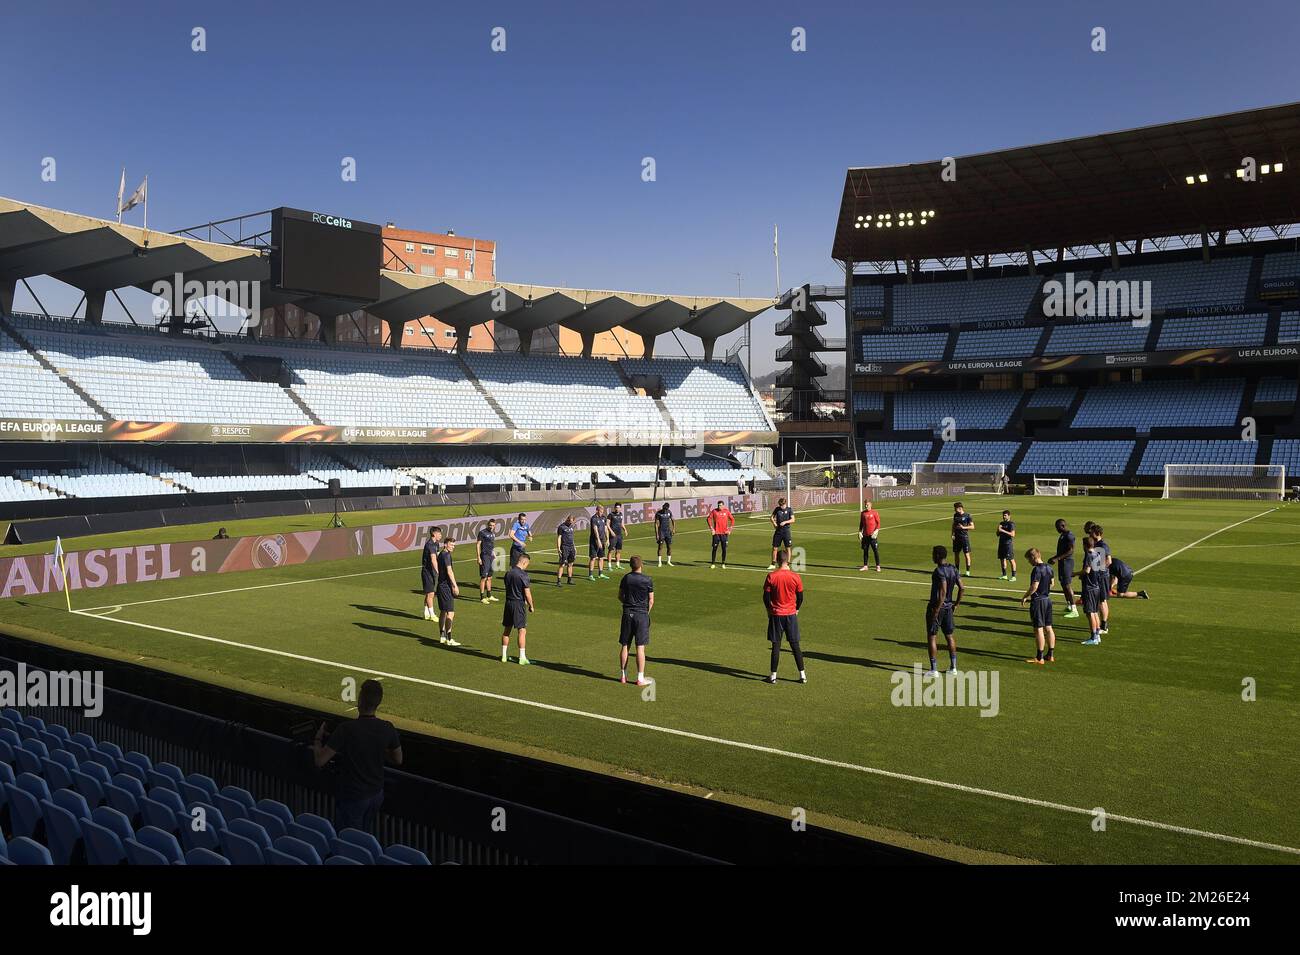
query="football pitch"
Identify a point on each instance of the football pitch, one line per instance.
(1172, 742)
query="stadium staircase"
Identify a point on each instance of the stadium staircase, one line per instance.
(487, 396)
(45, 363)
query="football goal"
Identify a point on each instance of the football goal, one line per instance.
(979, 477)
(1246, 482)
(1053, 487)
(824, 482)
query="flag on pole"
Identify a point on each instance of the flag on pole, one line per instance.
(141, 195)
(63, 570)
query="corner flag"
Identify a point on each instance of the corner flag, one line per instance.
(63, 570)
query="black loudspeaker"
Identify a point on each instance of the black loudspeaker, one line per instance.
(336, 489)
(469, 481)
(595, 478)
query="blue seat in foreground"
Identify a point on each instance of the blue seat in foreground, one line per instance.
(25, 851)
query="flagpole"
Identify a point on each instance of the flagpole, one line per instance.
(121, 190)
(146, 203)
(67, 595)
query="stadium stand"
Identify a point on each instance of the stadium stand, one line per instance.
(884, 457)
(1276, 389)
(1280, 265)
(982, 452)
(1068, 458)
(868, 401)
(963, 301)
(1161, 404)
(1001, 343)
(923, 347)
(868, 297)
(704, 395)
(1160, 453)
(970, 410)
(1286, 451)
(33, 391)
(1289, 328)
(1090, 338)
(1189, 283)
(1212, 331)
(1052, 396)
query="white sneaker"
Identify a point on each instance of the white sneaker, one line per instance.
(670, 561)
(934, 673)
(769, 566)
(644, 682)
(452, 643)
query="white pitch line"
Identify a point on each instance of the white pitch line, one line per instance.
(1201, 540)
(737, 744)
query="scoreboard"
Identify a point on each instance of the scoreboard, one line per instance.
(317, 253)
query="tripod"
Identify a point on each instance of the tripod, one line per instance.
(336, 521)
(470, 510)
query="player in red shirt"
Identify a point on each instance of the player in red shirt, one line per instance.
(868, 528)
(720, 521)
(783, 596)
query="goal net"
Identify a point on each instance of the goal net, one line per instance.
(1248, 482)
(979, 477)
(823, 482)
(1053, 487)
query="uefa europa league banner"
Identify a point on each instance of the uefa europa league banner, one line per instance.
(145, 563)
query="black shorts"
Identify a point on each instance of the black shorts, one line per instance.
(942, 622)
(514, 615)
(616, 541)
(961, 545)
(515, 551)
(1040, 611)
(782, 539)
(568, 555)
(634, 627)
(594, 549)
(1124, 583)
(1092, 598)
(664, 539)
(1006, 549)
(429, 581)
(485, 569)
(1065, 573)
(787, 627)
(446, 600)
(720, 538)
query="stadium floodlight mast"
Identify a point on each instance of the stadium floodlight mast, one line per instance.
(1243, 482)
(810, 476)
(980, 477)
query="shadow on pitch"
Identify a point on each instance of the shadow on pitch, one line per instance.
(968, 651)
(387, 611)
(852, 661)
(708, 668)
(394, 632)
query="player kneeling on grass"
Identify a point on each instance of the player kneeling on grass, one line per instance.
(1121, 581)
(1007, 545)
(944, 584)
(429, 571)
(636, 592)
(782, 518)
(566, 551)
(448, 591)
(1039, 598)
(1096, 584)
(783, 596)
(518, 605)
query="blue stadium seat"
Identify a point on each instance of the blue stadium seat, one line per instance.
(137, 853)
(55, 774)
(36, 747)
(34, 785)
(89, 786)
(104, 760)
(72, 801)
(103, 845)
(153, 779)
(62, 834)
(84, 739)
(240, 850)
(230, 808)
(157, 814)
(310, 836)
(76, 749)
(206, 783)
(60, 731)
(123, 801)
(66, 759)
(130, 770)
(363, 839)
(300, 850)
(139, 760)
(360, 854)
(52, 742)
(161, 842)
(191, 793)
(342, 860)
(6, 752)
(26, 761)
(35, 722)
(276, 857)
(273, 815)
(241, 796)
(10, 736)
(408, 855)
(25, 851)
(253, 831)
(114, 821)
(205, 857)
(112, 749)
(169, 770)
(319, 823)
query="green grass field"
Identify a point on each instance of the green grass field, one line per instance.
(1150, 727)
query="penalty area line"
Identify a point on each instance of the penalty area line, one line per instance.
(1202, 540)
(721, 741)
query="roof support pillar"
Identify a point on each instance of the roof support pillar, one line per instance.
(525, 341)
(1205, 245)
(7, 290)
(708, 347)
(648, 344)
(462, 341)
(1029, 257)
(970, 273)
(396, 330)
(588, 344)
(329, 329)
(95, 308)
(1114, 254)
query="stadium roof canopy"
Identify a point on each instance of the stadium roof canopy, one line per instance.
(1177, 179)
(99, 256)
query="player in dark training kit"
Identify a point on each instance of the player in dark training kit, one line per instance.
(1007, 545)
(962, 525)
(1096, 584)
(518, 605)
(448, 591)
(597, 544)
(1121, 581)
(429, 571)
(565, 550)
(486, 549)
(664, 528)
(782, 519)
(1063, 562)
(636, 592)
(1039, 599)
(783, 597)
(944, 583)
(616, 536)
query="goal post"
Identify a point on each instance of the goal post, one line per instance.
(980, 477)
(824, 482)
(1246, 482)
(1052, 487)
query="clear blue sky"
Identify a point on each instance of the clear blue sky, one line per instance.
(540, 147)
